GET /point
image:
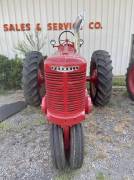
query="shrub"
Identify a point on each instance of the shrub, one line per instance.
(34, 41)
(10, 73)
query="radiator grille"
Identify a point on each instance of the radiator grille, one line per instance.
(65, 91)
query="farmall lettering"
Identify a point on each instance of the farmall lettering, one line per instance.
(65, 69)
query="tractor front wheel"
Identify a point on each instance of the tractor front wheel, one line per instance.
(130, 80)
(32, 68)
(76, 147)
(57, 147)
(101, 78)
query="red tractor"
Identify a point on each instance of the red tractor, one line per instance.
(130, 80)
(66, 101)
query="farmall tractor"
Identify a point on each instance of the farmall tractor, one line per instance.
(130, 79)
(65, 100)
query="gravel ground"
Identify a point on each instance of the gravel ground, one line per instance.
(109, 143)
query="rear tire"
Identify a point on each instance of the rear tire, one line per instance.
(76, 147)
(101, 90)
(30, 78)
(57, 147)
(130, 80)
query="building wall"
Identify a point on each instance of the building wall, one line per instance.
(116, 18)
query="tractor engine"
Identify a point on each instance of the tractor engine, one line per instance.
(66, 100)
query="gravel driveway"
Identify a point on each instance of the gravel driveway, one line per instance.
(109, 143)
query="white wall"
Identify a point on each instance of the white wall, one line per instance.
(116, 16)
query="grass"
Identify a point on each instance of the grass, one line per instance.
(125, 94)
(100, 176)
(119, 81)
(4, 126)
(3, 91)
(40, 122)
(65, 175)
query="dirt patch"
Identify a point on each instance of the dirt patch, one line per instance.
(109, 143)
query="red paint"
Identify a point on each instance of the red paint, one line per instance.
(88, 103)
(66, 94)
(95, 25)
(66, 101)
(59, 26)
(66, 134)
(70, 109)
(17, 27)
(68, 26)
(38, 27)
(131, 79)
(44, 105)
(40, 78)
(93, 79)
(51, 26)
(91, 25)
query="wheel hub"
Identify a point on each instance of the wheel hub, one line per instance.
(131, 80)
(93, 81)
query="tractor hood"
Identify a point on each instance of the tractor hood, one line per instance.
(66, 55)
(58, 62)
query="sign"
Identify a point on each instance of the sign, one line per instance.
(55, 26)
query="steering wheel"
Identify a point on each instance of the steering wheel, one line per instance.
(60, 39)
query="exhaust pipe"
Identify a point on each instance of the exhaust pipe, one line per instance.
(76, 27)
